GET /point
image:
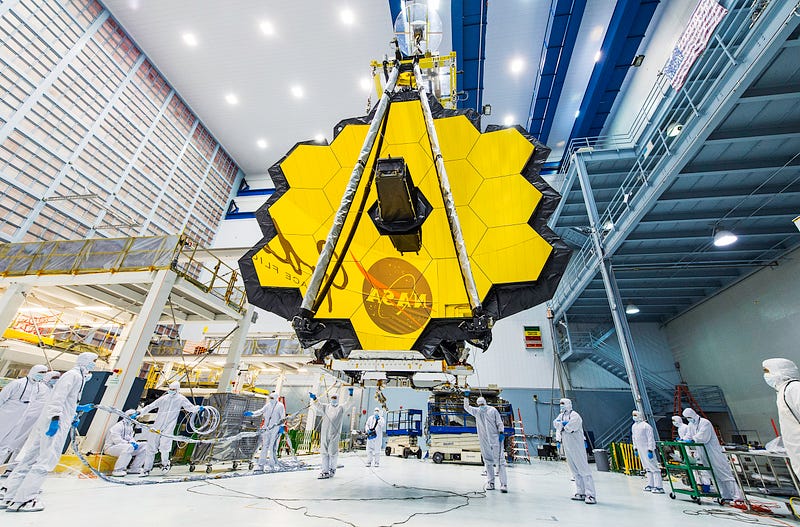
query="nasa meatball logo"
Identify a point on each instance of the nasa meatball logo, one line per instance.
(397, 297)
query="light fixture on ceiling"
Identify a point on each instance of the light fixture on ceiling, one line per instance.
(598, 56)
(632, 309)
(637, 61)
(674, 129)
(319, 138)
(297, 91)
(190, 39)
(267, 28)
(723, 238)
(262, 143)
(365, 83)
(347, 17)
(608, 225)
(508, 120)
(516, 65)
(232, 99)
(577, 113)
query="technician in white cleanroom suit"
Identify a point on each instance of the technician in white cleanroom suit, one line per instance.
(120, 444)
(644, 444)
(701, 476)
(784, 377)
(169, 408)
(374, 429)
(569, 431)
(274, 414)
(683, 428)
(43, 449)
(490, 434)
(32, 413)
(332, 417)
(18, 408)
(702, 431)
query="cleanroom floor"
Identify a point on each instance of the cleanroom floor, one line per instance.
(401, 492)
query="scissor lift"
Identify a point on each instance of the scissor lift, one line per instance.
(403, 429)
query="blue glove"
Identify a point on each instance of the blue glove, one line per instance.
(350, 391)
(53, 428)
(650, 454)
(564, 423)
(635, 452)
(135, 415)
(135, 445)
(84, 408)
(502, 438)
(76, 421)
(313, 397)
(248, 414)
(558, 445)
(466, 393)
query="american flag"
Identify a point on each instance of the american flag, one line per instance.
(705, 19)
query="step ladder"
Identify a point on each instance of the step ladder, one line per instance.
(519, 441)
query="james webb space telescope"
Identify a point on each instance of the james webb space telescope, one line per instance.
(412, 232)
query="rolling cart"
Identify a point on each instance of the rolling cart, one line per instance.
(403, 429)
(687, 468)
(231, 407)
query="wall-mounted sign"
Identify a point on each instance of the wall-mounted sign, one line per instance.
(533, 337)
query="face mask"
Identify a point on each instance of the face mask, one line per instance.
(483, 409)
(692, 420)
(172, 392)
(334, 402)
(772, 380)
(377, 414)
(635, 418)
(677, 423)
(52, 382)
(38, 377)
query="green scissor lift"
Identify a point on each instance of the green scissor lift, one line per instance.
(689, 467)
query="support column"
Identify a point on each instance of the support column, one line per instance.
(166, 371)
(279, 384)
(131, 356)
(638, 388)
(238, 342)
(10, 302)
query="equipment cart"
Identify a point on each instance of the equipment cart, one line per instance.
(232, 421)
(687, 468)
(403, 429)
(767, 474)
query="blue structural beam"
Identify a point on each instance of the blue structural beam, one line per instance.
(395, 6)
(628, 25)
(469, 42)
(562, 33)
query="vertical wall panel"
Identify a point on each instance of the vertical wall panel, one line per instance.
(86, 149)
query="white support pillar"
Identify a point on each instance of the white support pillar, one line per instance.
(279, 384)
(166, 372)
(131, 356)
(10, 302)
(238, 342)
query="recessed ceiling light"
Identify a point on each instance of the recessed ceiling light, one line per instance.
(674, 129)
(508, 120)
(190, 39)
(632, 309)
(365, 83)
(262, 143)
(232, 99)
(297, 91)
(577, 113)
(267, 28)
(516, 65)
(724, 238)
(347, 16)
(319, 138)
(598, 56)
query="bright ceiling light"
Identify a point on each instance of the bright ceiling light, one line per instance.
(347, 16)
(262, 143)
(577, 113)
(365, 83)
(319, 138)
(598, 56)
(297, 91)
(723, 238)
(190, 39)
(267, 28)
(674, 129)
(632, 309)
(516, 65)
(231, 99)
(508, 120)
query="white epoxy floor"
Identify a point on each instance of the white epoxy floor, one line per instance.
(368, 497)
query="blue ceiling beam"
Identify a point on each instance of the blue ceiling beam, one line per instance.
(468, 19)
(395, 6)
(625, 32)
(562, 33)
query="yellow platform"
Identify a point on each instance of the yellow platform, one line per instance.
(72, 463)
